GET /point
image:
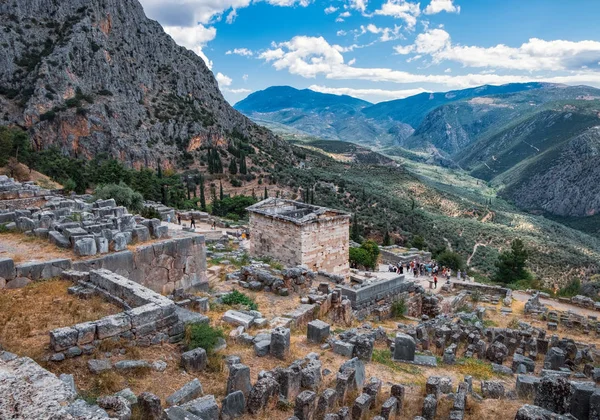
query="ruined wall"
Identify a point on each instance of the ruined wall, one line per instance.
(277, 239)
(149, 317)
(163, 267)
(323, 245)
(178, 263)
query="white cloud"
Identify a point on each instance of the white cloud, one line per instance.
(387, 34)
(536, 54)
(245, 77)
(432, 41)
(360, 5)
(289, 3)
(404, 49)
(231, 16)
(223, 80)
(437, 6)
(351, 62)
(401, 9)
(312, 56)
(245, 52)
(331, 9)
(448, 70)
(369, 94)
(240, 90)
(193, 38)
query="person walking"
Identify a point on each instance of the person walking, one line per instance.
(193, 223)
(168, 218)
(435, 282)
(179, 219)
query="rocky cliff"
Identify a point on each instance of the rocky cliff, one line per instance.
(564, 183)
(97, 76)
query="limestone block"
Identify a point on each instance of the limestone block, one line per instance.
(194, 360)
(188, 392)
(317, 331)
(233, 406)
(113, 325)
(63, 338)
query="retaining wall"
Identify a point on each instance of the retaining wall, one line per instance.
(178, 263)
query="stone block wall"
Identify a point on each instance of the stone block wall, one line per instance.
(321, 245)
(277, 239)
(178, 263)
(149, 317)
(326, 245)
(483, 288)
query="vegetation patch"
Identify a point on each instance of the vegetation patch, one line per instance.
(237, 298)
(202, 335)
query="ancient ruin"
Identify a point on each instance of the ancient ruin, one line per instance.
(296, 233)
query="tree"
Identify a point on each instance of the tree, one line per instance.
(387, 239)
(233, 169)
(450, 259)
(418, 242)
(510, 266)
(123, 195)
(243, 168)
(221, 194)
(14, 143)
(266, 194)
(366, 256)
(355, 229)
(202, 197)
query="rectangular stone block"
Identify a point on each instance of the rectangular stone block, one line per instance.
(113, 325)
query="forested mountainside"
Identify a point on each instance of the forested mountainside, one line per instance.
(516, 136)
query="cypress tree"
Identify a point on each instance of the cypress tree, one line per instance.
(312, 196)
(233, 170)
(266, 194)
(253, 194)
(202, 197)
(221, 195)
(243, 168)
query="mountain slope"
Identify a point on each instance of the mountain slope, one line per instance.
(412, 110)
(97, 76)
(322, 115)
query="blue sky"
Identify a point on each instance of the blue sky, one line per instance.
(386, 49)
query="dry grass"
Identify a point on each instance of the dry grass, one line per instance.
(28, 314)
(30, 248)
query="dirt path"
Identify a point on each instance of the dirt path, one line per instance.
(477, 245)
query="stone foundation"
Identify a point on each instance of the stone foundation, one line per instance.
(149, 317)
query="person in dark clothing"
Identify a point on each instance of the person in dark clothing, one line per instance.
(179, 219)
(435, 282)
(193, 223)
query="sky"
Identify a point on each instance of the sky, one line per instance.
(379, 50)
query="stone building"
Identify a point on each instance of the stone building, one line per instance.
(296, 233)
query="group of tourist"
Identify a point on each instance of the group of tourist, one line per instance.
(427, 269)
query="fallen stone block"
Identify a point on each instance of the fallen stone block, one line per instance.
(194, 360)
(188, 392)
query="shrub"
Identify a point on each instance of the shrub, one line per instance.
(232, 216)
(573, 288)
(450, 259)
(399, 308)
(69, 185)
(202, 335)
(150, 213)
(123, 195)
(365, 256)
(237, 298)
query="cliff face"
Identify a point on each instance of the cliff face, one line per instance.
(564, 183)
(97, 76)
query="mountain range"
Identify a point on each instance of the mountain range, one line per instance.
(536, 143)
